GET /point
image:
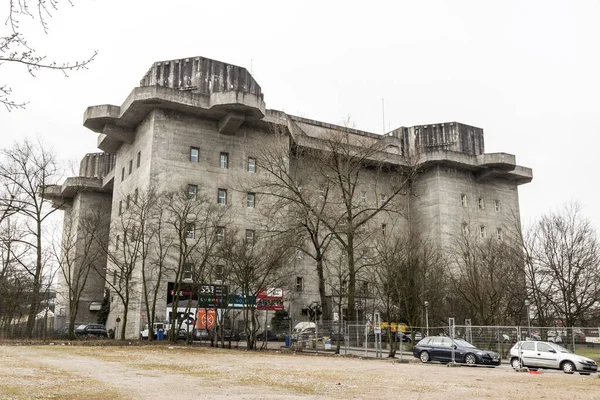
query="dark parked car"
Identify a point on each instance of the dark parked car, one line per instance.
(407, 336)
(440, 348)
(231, 334)
(203, 334)
(271, 336)
(91, 330)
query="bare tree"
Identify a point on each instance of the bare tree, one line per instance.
(156, 244)
(563, 265)
(487, 277)
(15, 282)
(409, 271)
(124, 251)
(77, 254)
(254, 266)
(28, 169)
(354, 180)
(194, 221)
(16, 49)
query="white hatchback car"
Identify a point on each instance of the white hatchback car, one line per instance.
(536, 354)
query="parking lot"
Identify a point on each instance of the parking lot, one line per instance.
(164, 371)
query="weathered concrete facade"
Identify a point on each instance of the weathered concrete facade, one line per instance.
(218, 108)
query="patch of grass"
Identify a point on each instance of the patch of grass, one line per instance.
(590, 352)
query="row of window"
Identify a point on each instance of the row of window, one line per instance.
(482, 231)
(221, 196)
(190, 233)
(480, 203)
(363, 195)
(223, 160)
(138, 163)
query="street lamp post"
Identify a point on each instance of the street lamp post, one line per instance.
(426, 318)
(528, 319)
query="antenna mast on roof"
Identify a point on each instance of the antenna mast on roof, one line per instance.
(383, 114)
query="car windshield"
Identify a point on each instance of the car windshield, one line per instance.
(561, 349)
(463, 343)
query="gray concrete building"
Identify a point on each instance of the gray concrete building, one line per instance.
(201, 122)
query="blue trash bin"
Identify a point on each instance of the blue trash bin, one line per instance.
(288, 341)
(160, 334)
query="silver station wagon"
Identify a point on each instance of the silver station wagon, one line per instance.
(535, 354)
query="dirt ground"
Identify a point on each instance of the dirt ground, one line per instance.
(163, 372)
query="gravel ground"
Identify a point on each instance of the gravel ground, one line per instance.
(178, 372)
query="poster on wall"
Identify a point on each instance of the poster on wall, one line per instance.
(207, 318)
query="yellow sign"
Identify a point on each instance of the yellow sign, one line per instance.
(394, 326)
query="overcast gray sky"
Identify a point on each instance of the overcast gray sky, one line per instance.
(527, 72)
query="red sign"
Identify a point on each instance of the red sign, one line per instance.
(270, 299)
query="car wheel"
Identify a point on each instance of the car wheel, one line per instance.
(568, 367)
(515, 363)
(424, 356)
(470, 359)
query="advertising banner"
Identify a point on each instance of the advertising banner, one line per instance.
(270, 299)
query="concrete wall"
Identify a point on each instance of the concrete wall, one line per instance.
(437, 212)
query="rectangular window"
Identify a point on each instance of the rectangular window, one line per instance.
(365, 287)
(220, 233)
(363, 196)
(222, 197)
(497, 205)
(499, 234)
(250, 198)
(482, 232)
(139, 159)
(130, 166)
(465, 229)
(123, 174)
(194, 154)
(187, 271)
(135, 196)
(249, 236)
(251, 165)
(463, 200)
(363, 228)
(114, 278)
(219, 272)
(127, 203)
(224, 160)
(299, 284)
(382, 198)
(383, 229)
(481, 204)
(190, 230)
(117, 243)
(192, 192)
(120, 207)
(321, 192)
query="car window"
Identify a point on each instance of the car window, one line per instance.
(446, 342)
(528, 346)
(424, 342)
(436, 342)
(544, 347)
(561, 349)
(463, 343)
